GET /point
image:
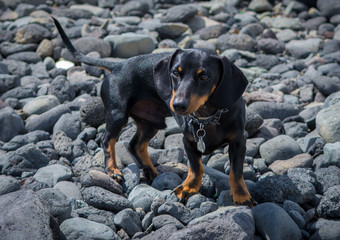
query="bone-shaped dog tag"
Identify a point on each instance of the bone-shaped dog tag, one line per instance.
(201, 145)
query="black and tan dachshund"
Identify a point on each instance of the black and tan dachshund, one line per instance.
(203, 92)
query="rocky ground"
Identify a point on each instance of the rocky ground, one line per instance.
(52, 184)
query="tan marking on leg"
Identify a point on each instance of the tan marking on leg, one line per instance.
(111, 162)
(239, 191)
(191, 185)
(142, 152)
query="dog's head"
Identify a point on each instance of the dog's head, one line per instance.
(190, 78)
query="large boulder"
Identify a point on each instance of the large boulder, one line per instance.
(224, 223)
(23, 215)
(328, 123)
(272, 222)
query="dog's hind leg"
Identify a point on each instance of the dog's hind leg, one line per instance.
(114, 123)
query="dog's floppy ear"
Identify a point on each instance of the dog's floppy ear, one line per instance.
(231, 85)
(161, 76)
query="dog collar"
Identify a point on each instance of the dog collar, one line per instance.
(213, 119)
(201, 121)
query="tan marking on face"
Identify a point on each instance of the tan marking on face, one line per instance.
(212, 90)
(199, 71)
(180, 69)
(172, 100)
(196, 102)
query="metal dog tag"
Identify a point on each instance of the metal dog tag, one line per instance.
(201, 145)
(200, 134)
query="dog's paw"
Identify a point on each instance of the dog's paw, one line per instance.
(116, 174)
(183, 192)
(149, 174)
(244, 200)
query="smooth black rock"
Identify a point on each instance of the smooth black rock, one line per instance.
(273, 222)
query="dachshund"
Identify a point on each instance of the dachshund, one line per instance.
(200, 89)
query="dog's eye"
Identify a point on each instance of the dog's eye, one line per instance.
(175, 73)
(204, 77)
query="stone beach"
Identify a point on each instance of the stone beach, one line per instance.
(52, 179)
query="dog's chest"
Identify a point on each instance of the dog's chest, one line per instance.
(208, 137)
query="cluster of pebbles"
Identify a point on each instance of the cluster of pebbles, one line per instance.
(52, 182)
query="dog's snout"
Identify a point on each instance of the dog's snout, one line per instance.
(180, 105)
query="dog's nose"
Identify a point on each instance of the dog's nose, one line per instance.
(180, 106)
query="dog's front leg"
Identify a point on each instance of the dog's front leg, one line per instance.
(193, 182)
(238, 188)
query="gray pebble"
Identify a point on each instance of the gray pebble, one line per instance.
(298, 219)
(182, 13)
(165, 219)
(129, 44)
(41, 104)
(237, 41)
(329, 205)
(103, 199)
(69, 189)
(279, 148)
(274, 110)
(46, 120)
(271, 46)
(8, 48)
(129, 221)
(8, 184)
(132, 177)
(328, 177)
(100, 179)
(195, 201)
(166, 181)
(177, 210)
(11, 123)
(25, 159)
(76, 228)
(59, 204)
(171, 30)
(330, 230)
(32, 33)
(332, 154)
(68, 123)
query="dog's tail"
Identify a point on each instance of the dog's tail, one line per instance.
(78, 55)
